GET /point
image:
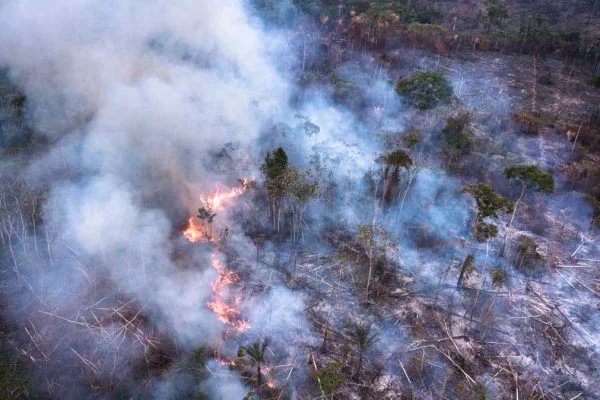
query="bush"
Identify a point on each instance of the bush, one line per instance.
(425, 89)
(330, 377)
(529, 123)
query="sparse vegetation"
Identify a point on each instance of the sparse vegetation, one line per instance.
(300, 199)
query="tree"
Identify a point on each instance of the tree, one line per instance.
(207, 216)
(527, 254)
(489, 205)
(275, 163)
(274, 168)
(496, 12)
(300, 188)
(425, 89)
(362, 337)
(392, 162)
(456, 137)
(255, 354)
(531, 177)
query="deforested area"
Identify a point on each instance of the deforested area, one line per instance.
(300, 199)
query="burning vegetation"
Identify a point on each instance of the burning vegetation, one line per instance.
(419, 217)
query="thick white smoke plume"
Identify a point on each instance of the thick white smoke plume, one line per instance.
(134, 98)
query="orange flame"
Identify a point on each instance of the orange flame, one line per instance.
(196, 231)
(225, 313)
(221, 304)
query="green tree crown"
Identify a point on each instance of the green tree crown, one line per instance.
(532, 177)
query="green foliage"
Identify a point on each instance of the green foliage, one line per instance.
(255, 352)
(498, 277)
(397, 159)
(532, 177)
(456, 136)
(496, 12)
(485, 231)
(255, 355)
(274, 169)
(275, 164)
(417, 12)
(528, 256)
(331, 377)
(299, 185)
(425, 89)
(196, 363)
(489, 203)
(411, 139)
(200, 357)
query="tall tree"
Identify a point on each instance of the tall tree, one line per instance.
(392, 163)
(300, 188)
(274, 169)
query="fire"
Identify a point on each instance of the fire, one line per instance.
(222, 303)
(225, 313)
(195, 230)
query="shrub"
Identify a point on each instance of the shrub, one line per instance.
(330, 377)
(529, 123)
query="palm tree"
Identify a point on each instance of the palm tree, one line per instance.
(362, 336)
(256, 355)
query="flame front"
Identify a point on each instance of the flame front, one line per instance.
(225, 313)
(222, 303)
(195, 230)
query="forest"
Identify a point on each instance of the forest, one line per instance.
(300, 199)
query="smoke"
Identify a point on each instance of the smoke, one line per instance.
(138, 103)
(135, 100)
(223, 384)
